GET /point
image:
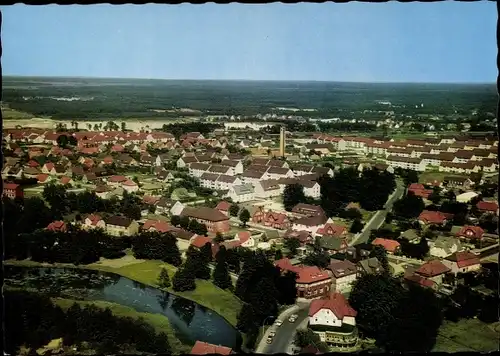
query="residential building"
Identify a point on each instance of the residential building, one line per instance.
(428, 217)
(308, 209)
(212, 218)
(369, 266)
(463, 262)
(311, 282)
(121, 226)
(241, 193)
(309, 223)
(271, 219)
(444, 246)
(391, 246)
(204, 348)
(344, 273)
(12, 190)
(334, 321)
(93, 221)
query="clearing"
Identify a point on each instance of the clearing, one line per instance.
(430, 176)
(159, 322)
(467, 335)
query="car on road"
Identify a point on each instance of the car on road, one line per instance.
(278, 322)
(272, 334)
(293, 318)
(270, 339)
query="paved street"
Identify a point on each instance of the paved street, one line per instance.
(285, 333)
(378, 219)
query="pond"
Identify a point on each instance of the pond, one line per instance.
(190, 320)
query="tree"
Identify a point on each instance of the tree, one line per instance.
(389, 217)
(304, 338)
(417, 313)
(197, 262)
(318, 258)
(221, 276)
(123, 126)
(292, 244)
(218, 238)
(375, 298)
(435, 196)
(175, 220)
(62, 141)
(293, 195)
(357, 226)
(409, 207)
(234, 209)
(72, 141)
(183, 280)
(381, 254)
(184, 222)
(410, 176)
(278, 255)
(244, 216)
(164, 279)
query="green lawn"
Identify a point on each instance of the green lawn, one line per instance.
(158, 321)
(430, 176)
(467, 335)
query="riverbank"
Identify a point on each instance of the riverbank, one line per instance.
(224, 303)
(159, 322)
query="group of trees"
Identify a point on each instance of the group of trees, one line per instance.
(75, 246)
(293, 194)
(409, 207)
(412, 250)
(157, 246)
(262, 288)
(394, 315)
(189, 224)
(179, 129)
(346, 127)
(66, 140)
(370, 188)
(32, 320)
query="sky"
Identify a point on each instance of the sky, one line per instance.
(443, 42)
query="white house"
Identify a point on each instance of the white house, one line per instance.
(241, 193)
(327, 317)
(130, 186)
(310, 223)
(267, 189)
(311, 189)
(344, 273)
(93, 221)
(197, 169)
(177, 208)
(236, 167)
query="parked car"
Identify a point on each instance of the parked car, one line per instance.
(272, 334)
(269, 340)
(293, 318)
(278, 322)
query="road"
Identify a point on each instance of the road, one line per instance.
(285, 333)
(378, 219)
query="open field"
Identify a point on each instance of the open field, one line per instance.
(467, 335)
(430, 176)
(225, 303)
(158, 321)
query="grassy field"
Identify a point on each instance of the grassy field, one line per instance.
(467, 335)
(225, 303)
(158, 321)
(430, 176)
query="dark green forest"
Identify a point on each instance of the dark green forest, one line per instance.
(135, 98)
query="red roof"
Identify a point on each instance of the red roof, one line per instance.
(487, 206)
(158, 225)
(432, 268)
(33, 163)
(416, 186)
(464, 259)
(10, 186)
(94, 219)
(424, 282)
(305, 274)
(129, 183)
(389, 245)
(57, 226)
(336, 303)
(117, 179)
(65, 180)
(471, 232)
(332, 229)
(117, 148)
(432, 217)
(42, 177)
(200, 241)
(204, 348)
(243, 236)
(49, 166)
(223, 206)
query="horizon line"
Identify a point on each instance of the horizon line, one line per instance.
(246, 80)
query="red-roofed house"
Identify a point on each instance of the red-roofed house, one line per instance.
(223, 207)
(156, 225)
(57, 226)
(116, 180)
(312, 282)
(428, 217)
(43, 178)
(49, 168)
(488, 207)
(204, 348)
(463, 262)
(66, 180)
(471, 232)
(33, 163)
(130, 186)
(200, 241)
(391, 246)
(334, 320)
(433, 270)
(12, 190)
(421, 281)
(271, 219)
(94, 221)
(331, 229)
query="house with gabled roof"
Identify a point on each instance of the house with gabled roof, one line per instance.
(212, 218)
(272, 219)
(57, 226)
(391, 246)
(241, 193)
(462, 262)
(344, 274)
(204, 348)
(94, 221)
(121, 226)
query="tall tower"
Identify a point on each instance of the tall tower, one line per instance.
(282, 141)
